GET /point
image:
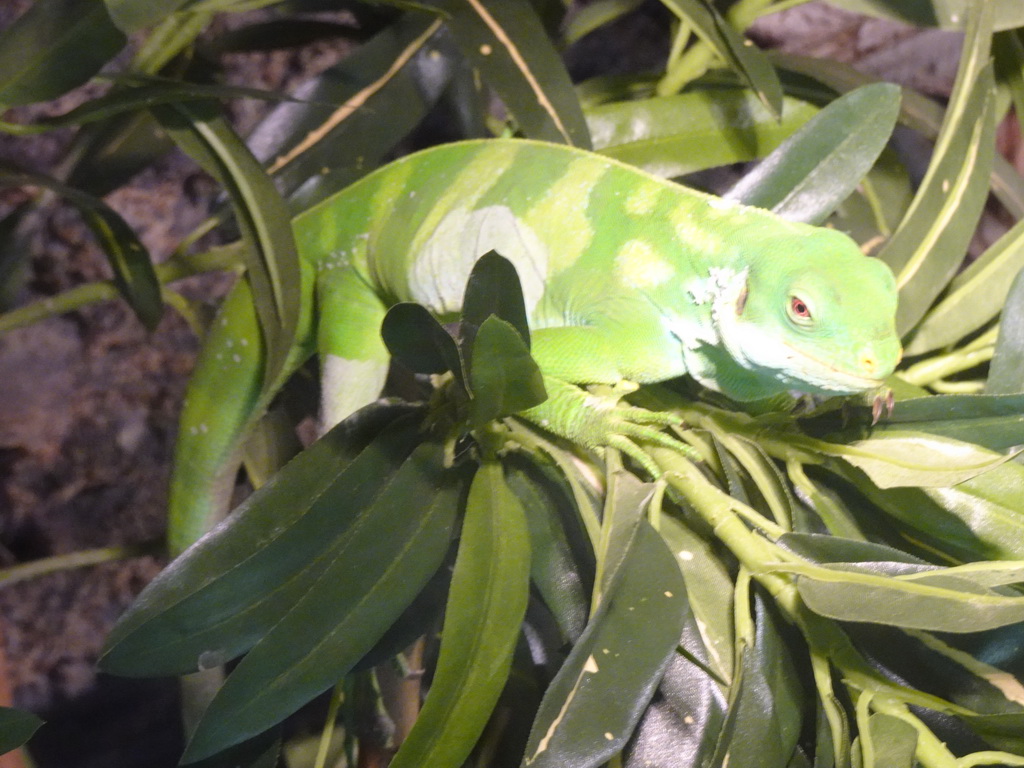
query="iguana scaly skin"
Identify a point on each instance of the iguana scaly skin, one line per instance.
(626, 278)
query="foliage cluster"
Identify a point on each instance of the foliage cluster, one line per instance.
(818, 590)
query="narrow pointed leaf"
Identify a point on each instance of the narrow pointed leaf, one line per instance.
(1006, 373)
(597, 697)
(371, 577)
(671, 136)
(762, 723)
(133, 15)
(53, 47)
(341, 123)
(16, 727)
(930, 244)
(490, 586)
(506, 41)
(995, 422)
(229, 590)
(741, 55)
(906, 458)
(816, 168)
(553, 521)
(852, 593)
(975, 296)
(263, 218)
(134, 274)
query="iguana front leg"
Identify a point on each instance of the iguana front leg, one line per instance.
(594, 419)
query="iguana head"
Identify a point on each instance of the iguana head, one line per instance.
(811, 314)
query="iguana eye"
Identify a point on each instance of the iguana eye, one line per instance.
(798, 310)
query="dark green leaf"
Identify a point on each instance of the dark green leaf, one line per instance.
(346, 119)
(494, 288)
(415, 338)
(816, 168)
(765, 702)
(598, 695)
(228, 591)
(553, 520)
(709, 590)
(995, 422)
(113, 151)
(261, 751)
(371, 576)
(587, 18)
(1004, 731)
(132, 15)
(16, 727)
(263, 218)
(742, 56)
(889, 743)
(975, 296)
(832, 549)
(506, 41)
(903, 457)
(980, 518)
(134, 275)
(505, 380)
(53, 47)
(490, 586)
(927, 249)
(850, 592)
(671, 136)
(1006, 374)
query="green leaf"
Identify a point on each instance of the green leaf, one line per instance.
(506, 41)
(134, 275)
(133, 15)
(927, 249)
(592, 16)
(505, 380)
(907, 458)
(889, 743)
(230, 589)
(490, 586)
(16, 727)
(560, 571)
(344, 121)
(598, 695)
(709, 589)
(415, 338)
(671, 136)
(856, 592)
(56, 45)
(995, 422)
(272, 261)
(739, 54)
(1006, 373)
(371, 576)
(816, 168)
(762, 723)
(975, 296)
(980, 518)
(494, 288)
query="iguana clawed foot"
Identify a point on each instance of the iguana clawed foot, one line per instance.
(597, 419)
(883, 404)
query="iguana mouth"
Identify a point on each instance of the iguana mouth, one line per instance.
(827, 376)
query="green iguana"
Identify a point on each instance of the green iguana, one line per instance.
(627, 278)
